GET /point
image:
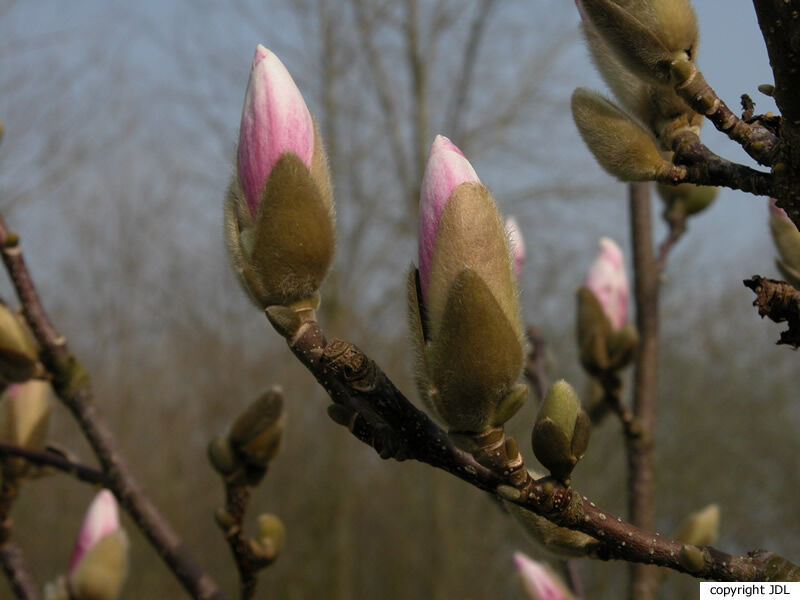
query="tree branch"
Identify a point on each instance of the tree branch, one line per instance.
(641, 493)
(23, 586)
(758, 141)
(72, 385)
(11, 558)
(695, 163)
(57, 461)
(379, 415)
(780, 302)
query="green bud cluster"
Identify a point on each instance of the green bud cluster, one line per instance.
(637, 46)
(685, 200)
(253, 440)
(561, 432)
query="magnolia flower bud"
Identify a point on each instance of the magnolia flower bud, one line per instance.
(561, 433)
(446, 169)
(465, 315)
(18, 352)
(279, 216)
(538, 580)
(605, 341)
(685, 199)
(609, 283)
(25, 414)
(621, 146)
(256, 433)
(516, 244)
(646, 35)
(787, 241)
(99, 561)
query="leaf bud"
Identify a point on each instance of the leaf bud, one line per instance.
(256, 434)
(700, 528)
(621, 146)
(561, 432)
(646, 35)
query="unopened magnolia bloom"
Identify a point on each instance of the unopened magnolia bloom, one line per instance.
(538, 580)
(516, 244)
(275, 120)
(609, 283)
(100, 556)
(446, 169)
(101, 518)
(279, 216)
(469, 350)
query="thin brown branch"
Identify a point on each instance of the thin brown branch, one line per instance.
(641, 493)
(758, 141)
(611, 385)
(677, 227)
(72, 385)
(781, 303)
(380, 414)
(695, 163)
(237, 497)
(11, 557)
(20, 580)
(56, 461)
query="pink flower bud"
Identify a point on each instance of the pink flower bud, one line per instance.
(447, 168)
(609, 283)
(516, 245)
(102, 519)
(537, 580)
(275, 120)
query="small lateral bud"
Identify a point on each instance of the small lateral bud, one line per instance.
(700, 528)
(767, 89)
(256, 434)
(685, 199)
(222, 456)
(561, 433)
(271, 533)
(621, 146)
(692, 558)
